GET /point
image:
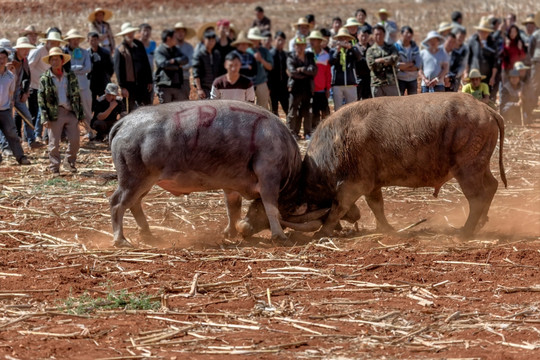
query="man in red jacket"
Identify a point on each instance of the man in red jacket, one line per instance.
(322, 80)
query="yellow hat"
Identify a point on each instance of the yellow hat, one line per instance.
(242, 39)
(343, 33)
(484, 25)
(204, 27)
(74, 34)
(383, 11)
(444, 26)
(301, 21)
(56, 51)
(315, 35)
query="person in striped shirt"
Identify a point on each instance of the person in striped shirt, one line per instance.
(232, 85)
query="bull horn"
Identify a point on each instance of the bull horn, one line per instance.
(303, 227)
(313, 215)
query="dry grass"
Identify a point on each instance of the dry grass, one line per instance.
(421, 15)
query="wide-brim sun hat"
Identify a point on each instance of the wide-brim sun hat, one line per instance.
(127, 28)
(352, 22)
(444, 26)
(74, 34)
(255, 34)
(343, 33)
(432, 35)
(475, 74)
(23, 43)
(315, 35)
(190, 32)
(55, 51)
(31, 29)
(53, 36)
(204, 27)
(301, 21)
(107, 14)
(529, 20)
(242, 39)
(484, 25)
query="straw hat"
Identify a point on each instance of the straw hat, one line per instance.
(432, 35)
(519, 65)
(31, 29)
(54, 52)
(107, 16)
(352, 22)
(23, 43)
(202, 29)
(53, 36)
(529, 20)
(444, 26)
(475, 74)
(343, 33)
(242, 39)
(484, 25)
(255, 34)
(315, 35)
(301, 21)
(127, 29)
(383, 11)
(190, 32)
(74, 34)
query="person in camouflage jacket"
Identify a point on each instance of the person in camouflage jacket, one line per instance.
(61, 109)
(381, 60)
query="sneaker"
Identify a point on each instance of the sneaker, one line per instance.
(36, 145)
(24, 161)
(70, 166)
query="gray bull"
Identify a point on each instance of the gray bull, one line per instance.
(414, 141)
(205, 145)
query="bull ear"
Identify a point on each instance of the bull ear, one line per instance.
(304, 227)
(310, 216)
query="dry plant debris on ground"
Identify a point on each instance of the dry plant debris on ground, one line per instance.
(422, 293)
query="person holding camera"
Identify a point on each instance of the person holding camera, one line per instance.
(343, 59)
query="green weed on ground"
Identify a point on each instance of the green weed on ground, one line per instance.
(114, 299)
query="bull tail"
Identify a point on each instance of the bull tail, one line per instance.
(114, 130)
(500, 123)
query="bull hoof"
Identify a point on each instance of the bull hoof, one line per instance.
(320, 234)
(280, 236)
(122, 243)
(230, 232)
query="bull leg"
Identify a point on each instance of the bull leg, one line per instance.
(128, 198)
(233, 201)
(474, 190)
(140, 218)
(269, 196)
(491, 184)
(376, 204)
(346, 197)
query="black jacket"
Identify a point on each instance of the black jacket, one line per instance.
(277, 77)
(206, 66)
(347, 77)
(102, 70)
(301, 81)
(141, 65)
(169, 74)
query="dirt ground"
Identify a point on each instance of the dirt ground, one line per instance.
(421, 293)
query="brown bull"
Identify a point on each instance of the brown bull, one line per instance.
(414, 141)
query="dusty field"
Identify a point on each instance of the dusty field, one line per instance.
(423, 293)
